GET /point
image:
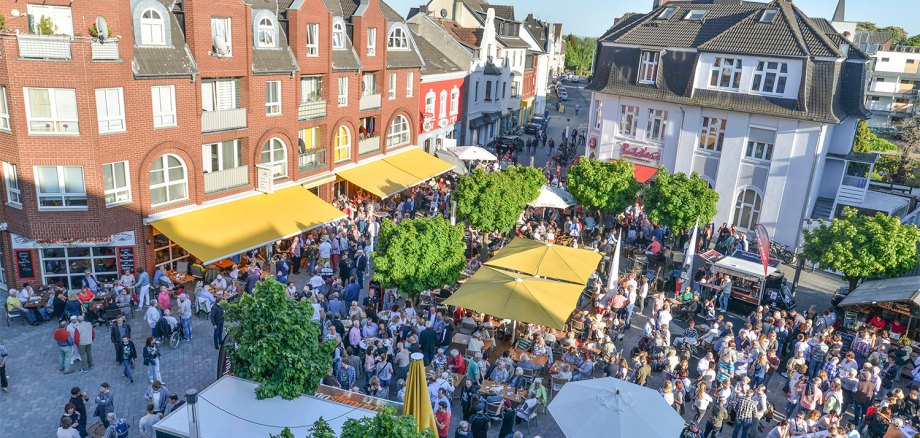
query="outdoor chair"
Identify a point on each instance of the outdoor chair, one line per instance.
(530, 415)
(17, 314)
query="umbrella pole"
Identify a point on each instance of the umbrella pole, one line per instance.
(513, 331)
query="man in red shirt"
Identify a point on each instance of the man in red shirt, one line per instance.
(65, 343)
(442, 419)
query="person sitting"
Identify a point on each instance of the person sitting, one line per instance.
(475, 344)
(518, 380)
(494, 397)
(653, 248)
(457, 363)
(540, 348)
(526, 407)
(524, 342)
(14, 307)
(691, 308)
(500, 374)
(566, 372)
(690, 335)
(571, 356)
(86, 295)
(585, 371)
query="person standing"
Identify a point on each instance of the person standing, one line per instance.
(147, 421)
(442, 419)
(158, 395)
(126, 354)
(143, 288)
(152, 316)
(85, 346)
(716, 419)
(480, 422)
(185, 315)
(67, 429)
(3, 382)
(65, 345)
(105, 404)
(361, 267)
(744, 408)
(152, 360)
(119, 331)
(79, 399)
(217, 320)
(296, 253)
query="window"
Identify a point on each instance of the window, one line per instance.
(747, 209)
(164, 105)
(476, 94)
(514, 89)
(115, 180)
(369, 85)
(311, 156)
(312, 39)
(4, 110)
(454, 101)
(13, 193)
(726, 73)
(911, 61)
(311, 89)
(343, 91)
(342, 145)
(666, 13)
(220, 28)
(52, 110)
(760, 144)
(905, 81)
(60, 186)
(648, 68)
(488, 91)
(266, 33)
(770, 77)
(338, 36)
(274, 154)
(166, 252)
(880, 80)
(598, 111)
(397, 39)
(59, 15)
(222, 156)
(696, 14)
(629, 119)
(220, 95)
(410, 83)
(875, 98)
(399, 132)
(429, 104)
(152, 28)
(713, 134)
(371, 41)
(886, 59)
(168, 180)
(443, 112)
(657, 125)
(110, 108)
(68, 264)
(272, 97)
(392, 92)
(768, 16)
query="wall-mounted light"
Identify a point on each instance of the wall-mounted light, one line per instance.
(149, 241)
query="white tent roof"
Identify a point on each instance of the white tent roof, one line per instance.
(471, 153)
(228, 408)
(745, 263)
(553, 197)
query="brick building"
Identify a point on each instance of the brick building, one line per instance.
(173, 112)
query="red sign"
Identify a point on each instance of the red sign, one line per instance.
(592, 142)
(641, 153)
(763, 246)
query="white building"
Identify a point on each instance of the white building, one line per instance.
(756, 98)
(894, 86)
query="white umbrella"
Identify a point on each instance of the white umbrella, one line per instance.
(613, 408)
(553, 197)
(449, 157)
(472, 153)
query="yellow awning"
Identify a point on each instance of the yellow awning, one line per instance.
(547, 260)
(394, 174)
(215, 233)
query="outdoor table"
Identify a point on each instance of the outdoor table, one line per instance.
(591, 350)
(557, 366)
(366, 342)
(908, 431)
(516, 395)
(179, 278)
(227, 263)
(455, 378)
(36, 302)
(225, 295)
(820, 434)
(741, 366)
(464, 340)
(536, 359)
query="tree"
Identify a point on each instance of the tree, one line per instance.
(494, 201)
(386, 424)
(863, 137)
(678, 200)
(863, 246)
(278, 344)
(603, 186)
(910, 142)
(419, 254)
(579, 53)
(899, 34)
(912, 41)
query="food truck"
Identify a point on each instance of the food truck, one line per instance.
(750, 288)
(891, 304)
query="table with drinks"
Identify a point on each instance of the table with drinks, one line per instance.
(516, 395)
(536, 359)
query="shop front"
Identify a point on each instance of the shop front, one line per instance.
(750, 287)
(393, 174)
(66, 260)
(892, 304)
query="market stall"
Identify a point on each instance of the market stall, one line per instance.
(750, 287)
(891, 304)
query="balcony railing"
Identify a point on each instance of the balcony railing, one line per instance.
(43, 47)
(368, 145)
(312, 110)
(105, 52)
(212, 121)
(312, 159)
(370, 102)
(855, 181)
(226, 179)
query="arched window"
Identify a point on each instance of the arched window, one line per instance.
(399, 132)
(747, 208)
(168, 180)
(443, 112)
(454, 101)
(152, 28)
(266, 33)
(274, 154)
(342, 144)
(429, 103)
(397, 39)
(338, 36)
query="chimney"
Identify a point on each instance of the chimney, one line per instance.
(423, 9)
(191, 399)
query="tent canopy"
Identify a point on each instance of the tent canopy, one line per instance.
(746, 263)
(547, 260)
(518, 297)
(395, 173)
(447, 156)
(471, 153)
(887, 290)
(553, 197)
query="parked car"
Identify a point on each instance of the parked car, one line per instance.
(535, 124)
(839, 295)
(509, 142)
(563, 95)
(898, 135)
(575, 78)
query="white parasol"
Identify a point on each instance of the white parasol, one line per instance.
(471, 153)
(553, 197)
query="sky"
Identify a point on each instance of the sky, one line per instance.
(590, 18)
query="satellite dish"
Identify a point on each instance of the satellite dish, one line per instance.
(220, 46)
(15, 13)
(443, 13)
(102, 29)
(302, 145)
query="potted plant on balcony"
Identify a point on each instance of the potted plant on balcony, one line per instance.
(45, 26)
(93, 32)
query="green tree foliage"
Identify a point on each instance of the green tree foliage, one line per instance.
(863, 246)
(579, 53)
(46, 26)
(386, 424)
(603, 186)
(278, 343)
(419, 254)
(863, 136)
(678, 200)
(494, 201)
(912, 41)
(900, 35)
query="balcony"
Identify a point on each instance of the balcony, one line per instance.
(368, 145)
(43, 47)
(370, 102)
(855, 181)
(213, 121)
(312, 110)
(226, 179)
(105, 52)
(312, 160)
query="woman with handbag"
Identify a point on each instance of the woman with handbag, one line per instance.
(152, 360)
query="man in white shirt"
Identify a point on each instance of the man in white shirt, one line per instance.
(325, 251)
(152, 315)
(726, 293)
(219, 283)
(170, 319)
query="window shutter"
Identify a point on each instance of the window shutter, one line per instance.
(762, 136)
(225, 95)
(207, 96)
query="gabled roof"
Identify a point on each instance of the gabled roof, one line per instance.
(436, 62)
(346, 59)
(513, 42)
(470, 37)
(276, 59)
(389, 13)
(175, 60)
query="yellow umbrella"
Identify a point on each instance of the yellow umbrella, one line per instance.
(418, 402)
(518, 297)
(547, 260)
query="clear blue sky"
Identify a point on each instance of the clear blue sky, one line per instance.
(593, 17)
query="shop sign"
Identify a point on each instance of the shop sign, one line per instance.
(641, 153)
(265, 179)
(427, 126)
(443, 122)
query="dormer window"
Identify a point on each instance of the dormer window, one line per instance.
(770, 77)
(666, 13)
(768, 16)
(397, 39)
(338, 36)
(266, 33)
(648, 67)
(696, 14)
(726, 74)
(152, 28)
